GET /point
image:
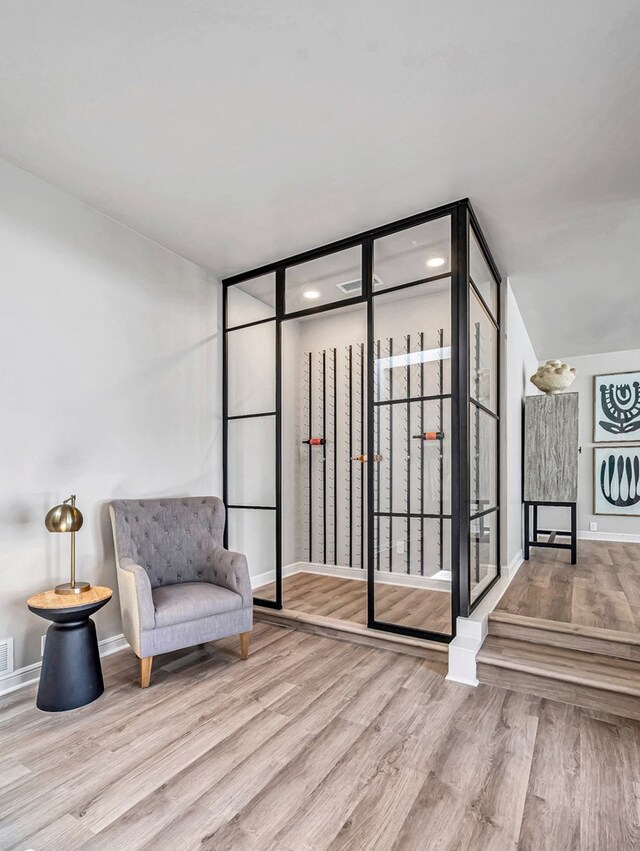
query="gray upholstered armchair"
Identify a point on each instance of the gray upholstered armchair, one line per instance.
(178, 585)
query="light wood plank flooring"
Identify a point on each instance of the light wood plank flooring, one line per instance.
(602, 590)
(346, 599)
(313, 744)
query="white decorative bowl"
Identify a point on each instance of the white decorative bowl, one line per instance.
(553, 377)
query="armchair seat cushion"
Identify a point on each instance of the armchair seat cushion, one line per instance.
(190, 601)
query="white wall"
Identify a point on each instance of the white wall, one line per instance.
(520, 363)
(611, 525)
(110, 388)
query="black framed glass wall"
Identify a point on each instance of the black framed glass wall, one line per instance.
(405, 463)
(251, 427)
(484, 400)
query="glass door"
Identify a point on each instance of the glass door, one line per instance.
(411, 361)
(324, 414)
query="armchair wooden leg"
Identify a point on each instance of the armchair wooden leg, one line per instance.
(145, 671)
(244, 645)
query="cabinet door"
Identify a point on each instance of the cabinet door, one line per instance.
(551, 448)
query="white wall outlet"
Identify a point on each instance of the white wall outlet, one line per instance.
(593, 526)
(400, 548)
(43, 638)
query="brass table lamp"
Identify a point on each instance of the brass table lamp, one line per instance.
(67, 518)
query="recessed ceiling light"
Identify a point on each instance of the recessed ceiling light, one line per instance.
(436, 261)
(311, 294)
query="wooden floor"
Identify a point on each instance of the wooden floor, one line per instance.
(602, 590)
(313, 744)
(346, 599)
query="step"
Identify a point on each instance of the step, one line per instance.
(590, 639)
(434, 651)
(571, 676)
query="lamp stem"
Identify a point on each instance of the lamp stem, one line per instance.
(73, 559)
(60, 519)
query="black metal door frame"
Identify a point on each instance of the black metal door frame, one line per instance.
(462, 221)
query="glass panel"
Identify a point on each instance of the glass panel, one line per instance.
(251, 300)
(251, 354)
(413, 459)
(324, 420)
(412, 254)
(253, 533)
(484, 450)
(326, 280)
(252, 461)
(425, 463)
(483, 355)
(481, 276)
(412, 328)
(412, 584)
(484, 552)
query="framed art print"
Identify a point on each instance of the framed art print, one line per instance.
(616, 479)
(616, 404)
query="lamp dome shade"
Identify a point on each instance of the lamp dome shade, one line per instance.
(63, 518)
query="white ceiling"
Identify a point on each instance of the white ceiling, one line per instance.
(239, 132)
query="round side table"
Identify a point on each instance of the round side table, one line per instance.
(71, 674)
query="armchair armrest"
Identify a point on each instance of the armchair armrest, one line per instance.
(136, 602)
(230, 570)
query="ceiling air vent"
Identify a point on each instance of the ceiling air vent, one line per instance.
(355, 287)
(6, 656)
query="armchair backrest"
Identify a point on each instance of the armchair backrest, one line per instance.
(172, 539)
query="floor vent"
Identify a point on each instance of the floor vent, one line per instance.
(6, 656)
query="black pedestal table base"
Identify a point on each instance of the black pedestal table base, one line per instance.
(71, 673)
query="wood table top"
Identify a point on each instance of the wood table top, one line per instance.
(51, 600)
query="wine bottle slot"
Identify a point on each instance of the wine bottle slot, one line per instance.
(429, 435)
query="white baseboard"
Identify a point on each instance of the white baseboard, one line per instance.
(261, 579)
(621, 537)
(31, 673)
(472, 631)
(442, 583)
(515, 563)
(112, 645)
(269, 576)
(462, 660)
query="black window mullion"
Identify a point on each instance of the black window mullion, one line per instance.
(280, 285)
(491, 510)
(252, 507)
(225, 416)
(460, 456)
(252, 416)
(484, 305)
(484, 408)
(403, 401)
(247, 324)
(380, 291)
